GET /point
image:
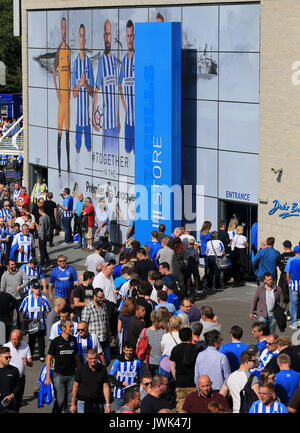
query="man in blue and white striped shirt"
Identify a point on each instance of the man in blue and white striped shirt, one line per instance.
(36, 306)
(292, 270)
(17, 191)
(126, 82)
(267, 402)
(270, 351)
(83, 89)
(34, 272)
(67, 214)
(4, 240)
(6, 211)
(23, 246)
(107, 81)
(124, 372)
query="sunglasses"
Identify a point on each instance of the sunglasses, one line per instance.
(61, 261)
(7, 357)
(148, 383)
(81, 329)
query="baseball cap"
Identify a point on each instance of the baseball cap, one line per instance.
(35, 284)
(97, 246)
(297, 249)
(252, 348)
(287, 244)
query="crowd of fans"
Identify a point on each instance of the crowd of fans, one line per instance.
(125, 335)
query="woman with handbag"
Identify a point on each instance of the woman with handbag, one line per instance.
(33, 311)
(168, 342)
(239, 256)
(154, 335)
(214, 250)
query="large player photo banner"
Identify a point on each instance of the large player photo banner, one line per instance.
(82, 108)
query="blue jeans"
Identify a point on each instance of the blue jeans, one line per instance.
(80, 406)
(294, 306)
(271, 321)
(63, 386)
(118, 402)
(106, 351)
(67, 228)
(82, 239)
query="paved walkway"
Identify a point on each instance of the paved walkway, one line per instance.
(231, 306)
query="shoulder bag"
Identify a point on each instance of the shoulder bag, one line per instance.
(221, 262)
(33, 326)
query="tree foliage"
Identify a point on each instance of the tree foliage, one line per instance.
(10, 50)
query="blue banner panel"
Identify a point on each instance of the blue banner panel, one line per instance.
(157, 127)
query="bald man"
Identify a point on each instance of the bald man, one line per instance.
(21, 357)
(54, 315)
(198, 401)
(107, 83)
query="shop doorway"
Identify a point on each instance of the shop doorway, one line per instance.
(246, 215)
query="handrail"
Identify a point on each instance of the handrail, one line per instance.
(11, 128)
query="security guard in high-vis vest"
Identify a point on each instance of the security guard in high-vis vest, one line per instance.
(38, 189)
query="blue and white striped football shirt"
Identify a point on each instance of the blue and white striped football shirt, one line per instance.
(55, 330)
(68, 202)
(85, 344)
(36, 273)
(30, 307)
(4, 233)
(27, 244)
(6, 214)
(83, 105)
(17, 192)
(293, 268)
(265, 357)
(260, 407)
(125, 371)
(126, 79)
(107, 82)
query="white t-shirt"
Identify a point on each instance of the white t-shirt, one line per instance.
(107, 285)
(17, 354)
(238, 241)
(153, 295)
(92, 261)
(214, 244)
(124, 289)
(168, 342)
(235, 382)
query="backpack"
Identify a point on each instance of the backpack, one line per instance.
(247, 395)
(143, 348)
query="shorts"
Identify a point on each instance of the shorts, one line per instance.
(86, 131)
(89, 234)
(63, 116)
(110, 141)
(129, 138)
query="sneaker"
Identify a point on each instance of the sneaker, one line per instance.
(293, 327)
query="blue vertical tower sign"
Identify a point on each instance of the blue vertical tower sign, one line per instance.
(157, 126)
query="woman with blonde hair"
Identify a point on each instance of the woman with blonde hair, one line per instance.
(154, 334)
(168, 342)
(231, 227)
(239, 256)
